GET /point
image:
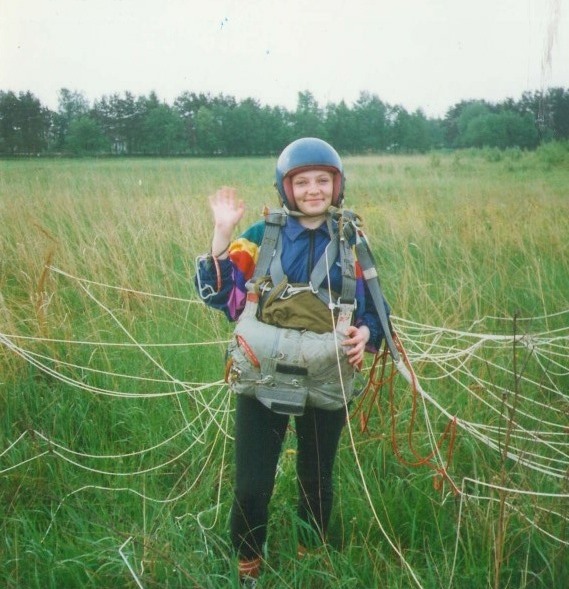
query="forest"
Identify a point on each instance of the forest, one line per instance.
(198, 124)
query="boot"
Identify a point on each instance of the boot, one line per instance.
(249, 572)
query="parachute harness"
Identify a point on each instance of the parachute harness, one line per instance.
(349, 231)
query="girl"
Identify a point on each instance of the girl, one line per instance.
(310, 182)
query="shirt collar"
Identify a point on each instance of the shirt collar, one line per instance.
(293, 228)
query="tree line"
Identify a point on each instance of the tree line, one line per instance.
(206, 125)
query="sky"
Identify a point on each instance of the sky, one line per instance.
(427, 54)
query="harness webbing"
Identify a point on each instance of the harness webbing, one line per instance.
(367, 263)
(348, 231)
(269, 260)
(274, 220)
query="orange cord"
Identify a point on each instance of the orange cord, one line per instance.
(370, 397)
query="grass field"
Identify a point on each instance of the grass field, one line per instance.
(116, 450)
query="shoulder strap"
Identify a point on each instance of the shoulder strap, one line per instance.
(338, 245)
(367, 263)
(274, 220)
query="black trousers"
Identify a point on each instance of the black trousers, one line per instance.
(259, 434)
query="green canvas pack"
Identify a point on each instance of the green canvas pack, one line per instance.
(295, 307)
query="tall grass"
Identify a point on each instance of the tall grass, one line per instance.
(130, 461)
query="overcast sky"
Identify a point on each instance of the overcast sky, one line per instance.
(425, 54)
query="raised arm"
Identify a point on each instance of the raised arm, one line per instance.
(227, 211)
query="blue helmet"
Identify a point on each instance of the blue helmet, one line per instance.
(305, 154)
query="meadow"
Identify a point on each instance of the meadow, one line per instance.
(116, 426)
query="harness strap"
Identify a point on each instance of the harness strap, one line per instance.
(274, 220)
(347, 261)
(319, 272)
(276, 270)
(271, 249)
(341, 239)
(346, 302)
(348, 231)
(367, 263)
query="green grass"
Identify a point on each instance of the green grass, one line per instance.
(122, 438)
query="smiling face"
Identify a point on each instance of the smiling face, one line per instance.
(313, 191)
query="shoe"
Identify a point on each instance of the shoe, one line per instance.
(249, 572)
